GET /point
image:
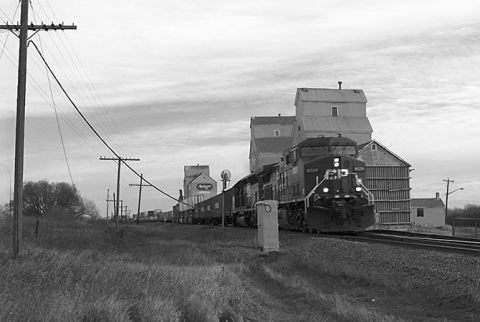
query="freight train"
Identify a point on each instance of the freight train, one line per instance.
(318, 185)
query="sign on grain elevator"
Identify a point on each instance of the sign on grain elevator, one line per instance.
(267, 222)
(197, 182)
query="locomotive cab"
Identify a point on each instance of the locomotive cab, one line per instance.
(325, 176)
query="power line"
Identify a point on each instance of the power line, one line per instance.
(55, 109)
(96, 132)
(58, 123)
(37, 87)
(5, 44)
(104, 123)
(93, 129)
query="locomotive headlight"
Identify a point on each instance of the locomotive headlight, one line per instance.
(358, 189)
(325, 190)
(336, 162)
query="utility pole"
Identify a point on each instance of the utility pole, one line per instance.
(108, 201)
(23, 29)
(123, 212)
(114, 205)
(448, 181)
(119, 160)
(139, 195)
(446, 198)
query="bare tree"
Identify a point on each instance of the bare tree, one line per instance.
(89, 209)
(42, 196)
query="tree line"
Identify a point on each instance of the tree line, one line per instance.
(467, 212)
(43, 198)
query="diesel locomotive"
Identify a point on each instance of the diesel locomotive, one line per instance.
(319, 186)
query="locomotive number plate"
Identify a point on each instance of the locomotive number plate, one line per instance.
(312, 170)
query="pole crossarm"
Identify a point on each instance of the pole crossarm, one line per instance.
(43, 26)
(116, 159)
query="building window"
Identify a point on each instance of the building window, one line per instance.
(419, 212)
(334, 110)
(374, 147)
(276, 133)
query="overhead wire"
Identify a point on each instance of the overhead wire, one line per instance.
(96, 95)
(73, 73)
(120, 159)
(38, 88)
(108, 126)
(11, 20)
(81, 97)
(53, 103)
(65, 118)
(55, 109)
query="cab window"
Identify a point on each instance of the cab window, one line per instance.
(312, 151)
(344, 150)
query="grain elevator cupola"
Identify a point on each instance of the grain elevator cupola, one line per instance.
(327, 112)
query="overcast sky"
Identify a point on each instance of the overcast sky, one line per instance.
(176, 83)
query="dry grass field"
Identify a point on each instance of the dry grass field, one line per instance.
(83, 271)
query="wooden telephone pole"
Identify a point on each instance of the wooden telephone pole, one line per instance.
(23, 28)
(108, 201)
(139, 195)
(120, 160)
(448, 181)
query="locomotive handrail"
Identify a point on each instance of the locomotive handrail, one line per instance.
(368, 192)
(307, 198)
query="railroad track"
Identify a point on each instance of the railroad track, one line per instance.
(448, 244)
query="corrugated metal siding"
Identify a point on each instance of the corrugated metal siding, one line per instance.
(330, 95)
(394, 217)
(390, 186)
(383, 172)
(337, 124)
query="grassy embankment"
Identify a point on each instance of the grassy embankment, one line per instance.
(77, 271)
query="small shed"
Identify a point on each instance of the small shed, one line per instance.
(428, 212)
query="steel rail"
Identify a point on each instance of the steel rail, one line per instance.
(461, 247)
